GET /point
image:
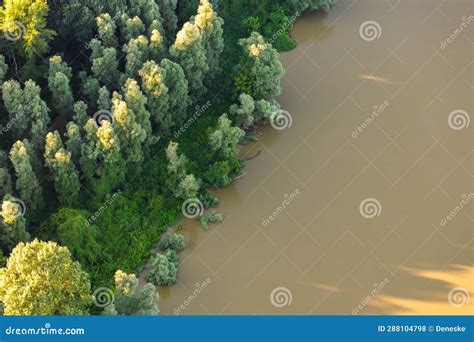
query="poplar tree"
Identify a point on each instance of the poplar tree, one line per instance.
(178, 91)
(40, 278)
(3, 68)
(131, 27)
(131, 301)
(37, 110)
(136, 53)
(262, 65)
(243, 113)
(153, 84)
(182, 185)
(103, 101)
(5, 178)
(137, 102)
(27, 184)
(59, 85)
(223, 141)
(130, 133)
(25, 22)
(210, 25)
(80, 115)
(170, 19)
(12, 224)
(73, 141)
(105, 64)
(157, 42)
(66, 179)
(189, 52)
(89, 153)
(13, 100)
(107, 30)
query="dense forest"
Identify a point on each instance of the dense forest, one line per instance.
(116, 118)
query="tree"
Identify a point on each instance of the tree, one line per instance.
(136, 53)
(136, 101)
(130, 133)
(210, 25)
(157, 41)
(25, 22)
(89, 152)
(164, 268)
(103, 101)
(178, 92)
(243, 113)
(80, 115)
(183, 185)
(27, 184)
(131, 27)
(262, 65)
(105, 64)
(41, 279)
(5, 178)
(131, 302)
(153, 84)
(223, 141)
(170, 19)
(59, 79)
(66, 178)
(3, 68)
(173, 241)
(266, 109)
(13, 223)
(73, 142)
(71, 228)
(28, 112)
(106, 27)
(189, 52)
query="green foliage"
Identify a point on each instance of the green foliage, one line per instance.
(164, 268)
(41, 279)
(25, 23)
(131, 302)
(27, 184)
(173, 241)
(3, 68)
(71, 228)
(12, 224)
(243, 113)
(211, 218)
(170, 19)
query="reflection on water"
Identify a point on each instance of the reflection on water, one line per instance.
(339, 152)
(452, 295)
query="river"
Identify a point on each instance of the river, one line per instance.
(365, 204)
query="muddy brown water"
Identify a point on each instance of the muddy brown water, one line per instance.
(346, 211)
